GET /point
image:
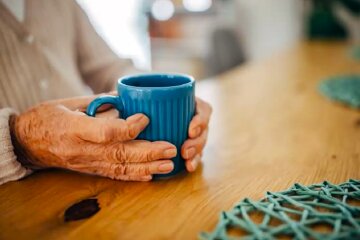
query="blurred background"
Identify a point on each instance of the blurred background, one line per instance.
(204, 38)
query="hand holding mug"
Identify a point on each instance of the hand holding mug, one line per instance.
(59, 134)
(169, 102)
(192, 148)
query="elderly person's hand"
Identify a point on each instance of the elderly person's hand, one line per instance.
(191, 150)
(59, 134)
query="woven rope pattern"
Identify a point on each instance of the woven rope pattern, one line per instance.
(299, 213)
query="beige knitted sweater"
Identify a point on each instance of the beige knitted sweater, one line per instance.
(54, 53)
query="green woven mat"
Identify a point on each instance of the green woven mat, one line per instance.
(319, 211)
(345, 89)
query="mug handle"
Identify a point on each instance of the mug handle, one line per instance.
(106, 99)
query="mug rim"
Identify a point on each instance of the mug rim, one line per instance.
(190, 78)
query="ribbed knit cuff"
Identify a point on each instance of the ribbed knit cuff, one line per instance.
(10, 168)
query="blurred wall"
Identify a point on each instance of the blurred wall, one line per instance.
(267, 26)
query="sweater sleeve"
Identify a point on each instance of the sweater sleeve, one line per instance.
(99, 66)
(10, 168)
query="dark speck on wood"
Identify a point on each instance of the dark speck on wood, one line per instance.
(357, 123)
(81, 210)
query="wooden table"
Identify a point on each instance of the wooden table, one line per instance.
(270, 129)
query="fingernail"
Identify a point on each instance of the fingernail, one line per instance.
(190, 152)
(166, 167)
(170, 153)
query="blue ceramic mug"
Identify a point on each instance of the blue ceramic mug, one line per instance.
(167, 99)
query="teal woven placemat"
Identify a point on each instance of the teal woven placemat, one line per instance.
(319, 211)
(345, 89)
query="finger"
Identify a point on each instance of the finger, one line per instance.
(134, 178)
(144, 178)
(192, 164)
(201, 119)
(104, 169)
(137, 151)
(149, 168)
(139, 169)
(110, 113)
(80, 103)
(191, 147)
(120, 170)
(105, 130)
(196, 126)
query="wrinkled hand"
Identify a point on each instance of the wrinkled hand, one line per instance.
(192, 148)
(59, 134)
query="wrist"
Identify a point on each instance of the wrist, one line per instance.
(19, 151)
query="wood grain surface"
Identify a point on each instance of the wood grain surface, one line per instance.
(270, 129)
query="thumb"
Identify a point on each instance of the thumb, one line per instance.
(105, 130)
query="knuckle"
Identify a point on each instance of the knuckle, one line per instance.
(118, 153)
(121, 169)
(199, 143)
(149, 156)
(121, 153)
(186, 144)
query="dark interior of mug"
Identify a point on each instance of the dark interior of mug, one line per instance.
(156, 80)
